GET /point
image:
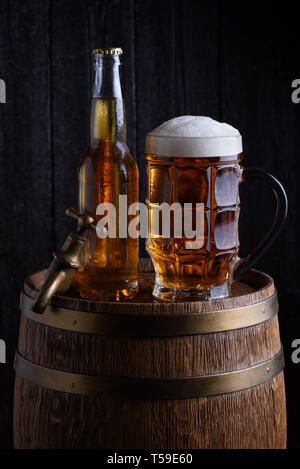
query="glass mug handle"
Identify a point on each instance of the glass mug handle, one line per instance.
(245, 264)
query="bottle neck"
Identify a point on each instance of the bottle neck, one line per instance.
(108, 116)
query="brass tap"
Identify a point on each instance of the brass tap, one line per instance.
(65, 263)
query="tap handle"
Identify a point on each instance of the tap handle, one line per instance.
(84, 220)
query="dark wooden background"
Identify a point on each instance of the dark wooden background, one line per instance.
(233, 61)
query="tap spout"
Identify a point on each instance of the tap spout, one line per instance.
(52, 285)
(61, 271)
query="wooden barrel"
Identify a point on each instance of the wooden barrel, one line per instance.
(151, 375)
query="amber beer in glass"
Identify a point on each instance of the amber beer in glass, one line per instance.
(108, 170)
(204, 173)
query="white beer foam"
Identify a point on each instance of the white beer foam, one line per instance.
(194, 136)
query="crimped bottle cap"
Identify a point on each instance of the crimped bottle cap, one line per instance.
(108, 51)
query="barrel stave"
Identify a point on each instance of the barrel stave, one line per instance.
(250, 418)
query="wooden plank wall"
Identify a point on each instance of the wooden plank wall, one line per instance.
(233, 61)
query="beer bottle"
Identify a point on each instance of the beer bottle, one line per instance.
(108, 170)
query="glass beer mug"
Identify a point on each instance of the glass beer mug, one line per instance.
(194, 167)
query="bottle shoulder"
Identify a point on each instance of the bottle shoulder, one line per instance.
(109, 152)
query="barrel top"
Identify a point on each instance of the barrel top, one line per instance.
(252, 288)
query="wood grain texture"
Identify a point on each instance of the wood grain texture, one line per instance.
(171, 356)
(253, 81)
(249, 419)
(70, 57)
(25, 175)
(254, 418)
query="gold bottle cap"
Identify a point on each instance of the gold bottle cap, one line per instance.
(108, 51)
